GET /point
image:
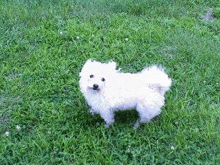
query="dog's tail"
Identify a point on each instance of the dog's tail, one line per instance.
(157, 79)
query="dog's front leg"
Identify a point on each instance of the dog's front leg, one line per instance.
(92, 111)
(108, 116)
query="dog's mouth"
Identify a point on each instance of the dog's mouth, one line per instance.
(94, 89)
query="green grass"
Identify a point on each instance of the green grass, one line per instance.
(43, 46)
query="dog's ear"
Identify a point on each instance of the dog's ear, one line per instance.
(89, 61)
(112, 65)
(85, 67)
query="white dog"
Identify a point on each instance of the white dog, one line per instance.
(108, 90)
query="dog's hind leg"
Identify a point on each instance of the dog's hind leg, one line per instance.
(146, 113)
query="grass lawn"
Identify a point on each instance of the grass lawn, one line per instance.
(44, 118)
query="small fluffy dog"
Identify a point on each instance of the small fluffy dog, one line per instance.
(107, 90)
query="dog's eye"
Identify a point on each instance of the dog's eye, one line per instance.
(91, 76)
(103, 79)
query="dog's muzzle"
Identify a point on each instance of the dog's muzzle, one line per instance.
(95, 87)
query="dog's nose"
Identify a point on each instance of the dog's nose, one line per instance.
(95, 86)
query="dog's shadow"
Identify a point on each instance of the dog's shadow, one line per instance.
(121, 117)
(126, 117)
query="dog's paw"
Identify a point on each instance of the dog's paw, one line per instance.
(137, 124)
(107, 126)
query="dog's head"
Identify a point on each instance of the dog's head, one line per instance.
(94, 75)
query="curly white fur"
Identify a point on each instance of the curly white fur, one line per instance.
(107, 90)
